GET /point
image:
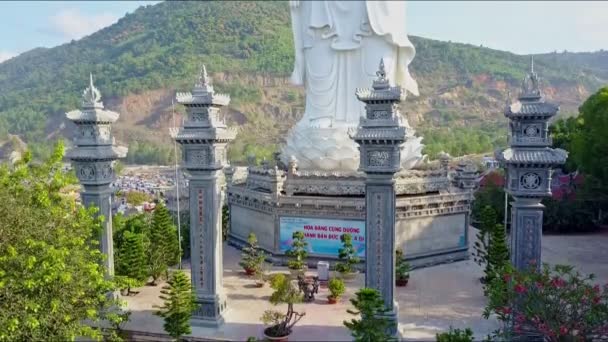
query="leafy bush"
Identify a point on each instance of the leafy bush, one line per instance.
(336, 287)
(556, 302)
(456, 335)
(402, 267)
(347, 254)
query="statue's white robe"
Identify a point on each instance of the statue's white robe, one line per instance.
(338, 47)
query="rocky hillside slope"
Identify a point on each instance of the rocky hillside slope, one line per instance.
(141, 61)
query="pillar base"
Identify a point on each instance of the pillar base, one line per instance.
(210, 311)
(393, 317)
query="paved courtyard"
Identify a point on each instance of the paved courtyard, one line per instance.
(434, 299)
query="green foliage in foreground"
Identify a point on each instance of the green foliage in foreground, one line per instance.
(456, 335)
(556, 302)
(52, 282)
(371, 325)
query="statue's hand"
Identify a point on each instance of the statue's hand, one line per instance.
(297, 76)
(294, 3)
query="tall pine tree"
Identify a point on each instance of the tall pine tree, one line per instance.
(132, 261)
(498, 253)
(179, 303)
(164, 246)
(487, 221)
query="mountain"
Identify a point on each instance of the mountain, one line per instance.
(140, 61)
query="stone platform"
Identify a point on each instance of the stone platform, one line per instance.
(431, 216)
(435, 298)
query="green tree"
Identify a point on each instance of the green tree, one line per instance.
(132, 261)
(179, 303)
(52, 280)
(563, 132)
(487, 222)
(498, 253)
(372, 325)
(589, 147)
(164, 247)
(137, 198)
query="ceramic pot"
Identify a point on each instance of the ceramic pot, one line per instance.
(402, 282)
(332, 300)
(275, 338)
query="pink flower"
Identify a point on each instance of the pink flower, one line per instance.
(520, 318)
(596, 289)
(519, 288)
(504, 310)
(563, 330)
(539, 285)
(506, 277)
(558, 282)
(517, 328)
(596, 300)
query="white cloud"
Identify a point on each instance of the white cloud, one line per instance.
(73, 24)
(5, 55)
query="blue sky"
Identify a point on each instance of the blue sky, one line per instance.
(517, 26)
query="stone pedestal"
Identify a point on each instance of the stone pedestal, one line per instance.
(101, 197)
(526, 232)
(206, 247)
(380, 237)
(204, 137)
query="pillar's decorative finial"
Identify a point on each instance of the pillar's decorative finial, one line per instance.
(532, 65)
(381, 73)
(203, 78)
(91, 96)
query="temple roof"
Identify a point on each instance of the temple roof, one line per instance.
(104, 152)
(533, 156)
(381, 89)
(397, 133)
(92, 115)
(525, 108)
(203, 93)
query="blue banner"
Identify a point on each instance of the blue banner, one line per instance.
(322, 235)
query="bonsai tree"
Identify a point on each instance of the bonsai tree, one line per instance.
(252, 258)
(297, 251)
(402, 269)
(456, 335)
(281, 324)
(336, 288)
(371, 325)
(347, 254)
(179, 304)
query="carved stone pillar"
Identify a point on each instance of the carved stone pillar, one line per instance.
(529, 161)
(93, 159)
(380, 135)
(204, 138)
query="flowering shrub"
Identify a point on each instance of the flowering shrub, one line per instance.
(558, 303)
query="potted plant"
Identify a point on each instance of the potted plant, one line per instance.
(336, 289)
(281, 324)
(402, 269)
(348, 258)
(252, 257)
(298, 253)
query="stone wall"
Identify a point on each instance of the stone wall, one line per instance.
(432, 234)
(245, 220)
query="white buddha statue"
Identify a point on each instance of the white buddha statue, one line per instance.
(338, 45)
